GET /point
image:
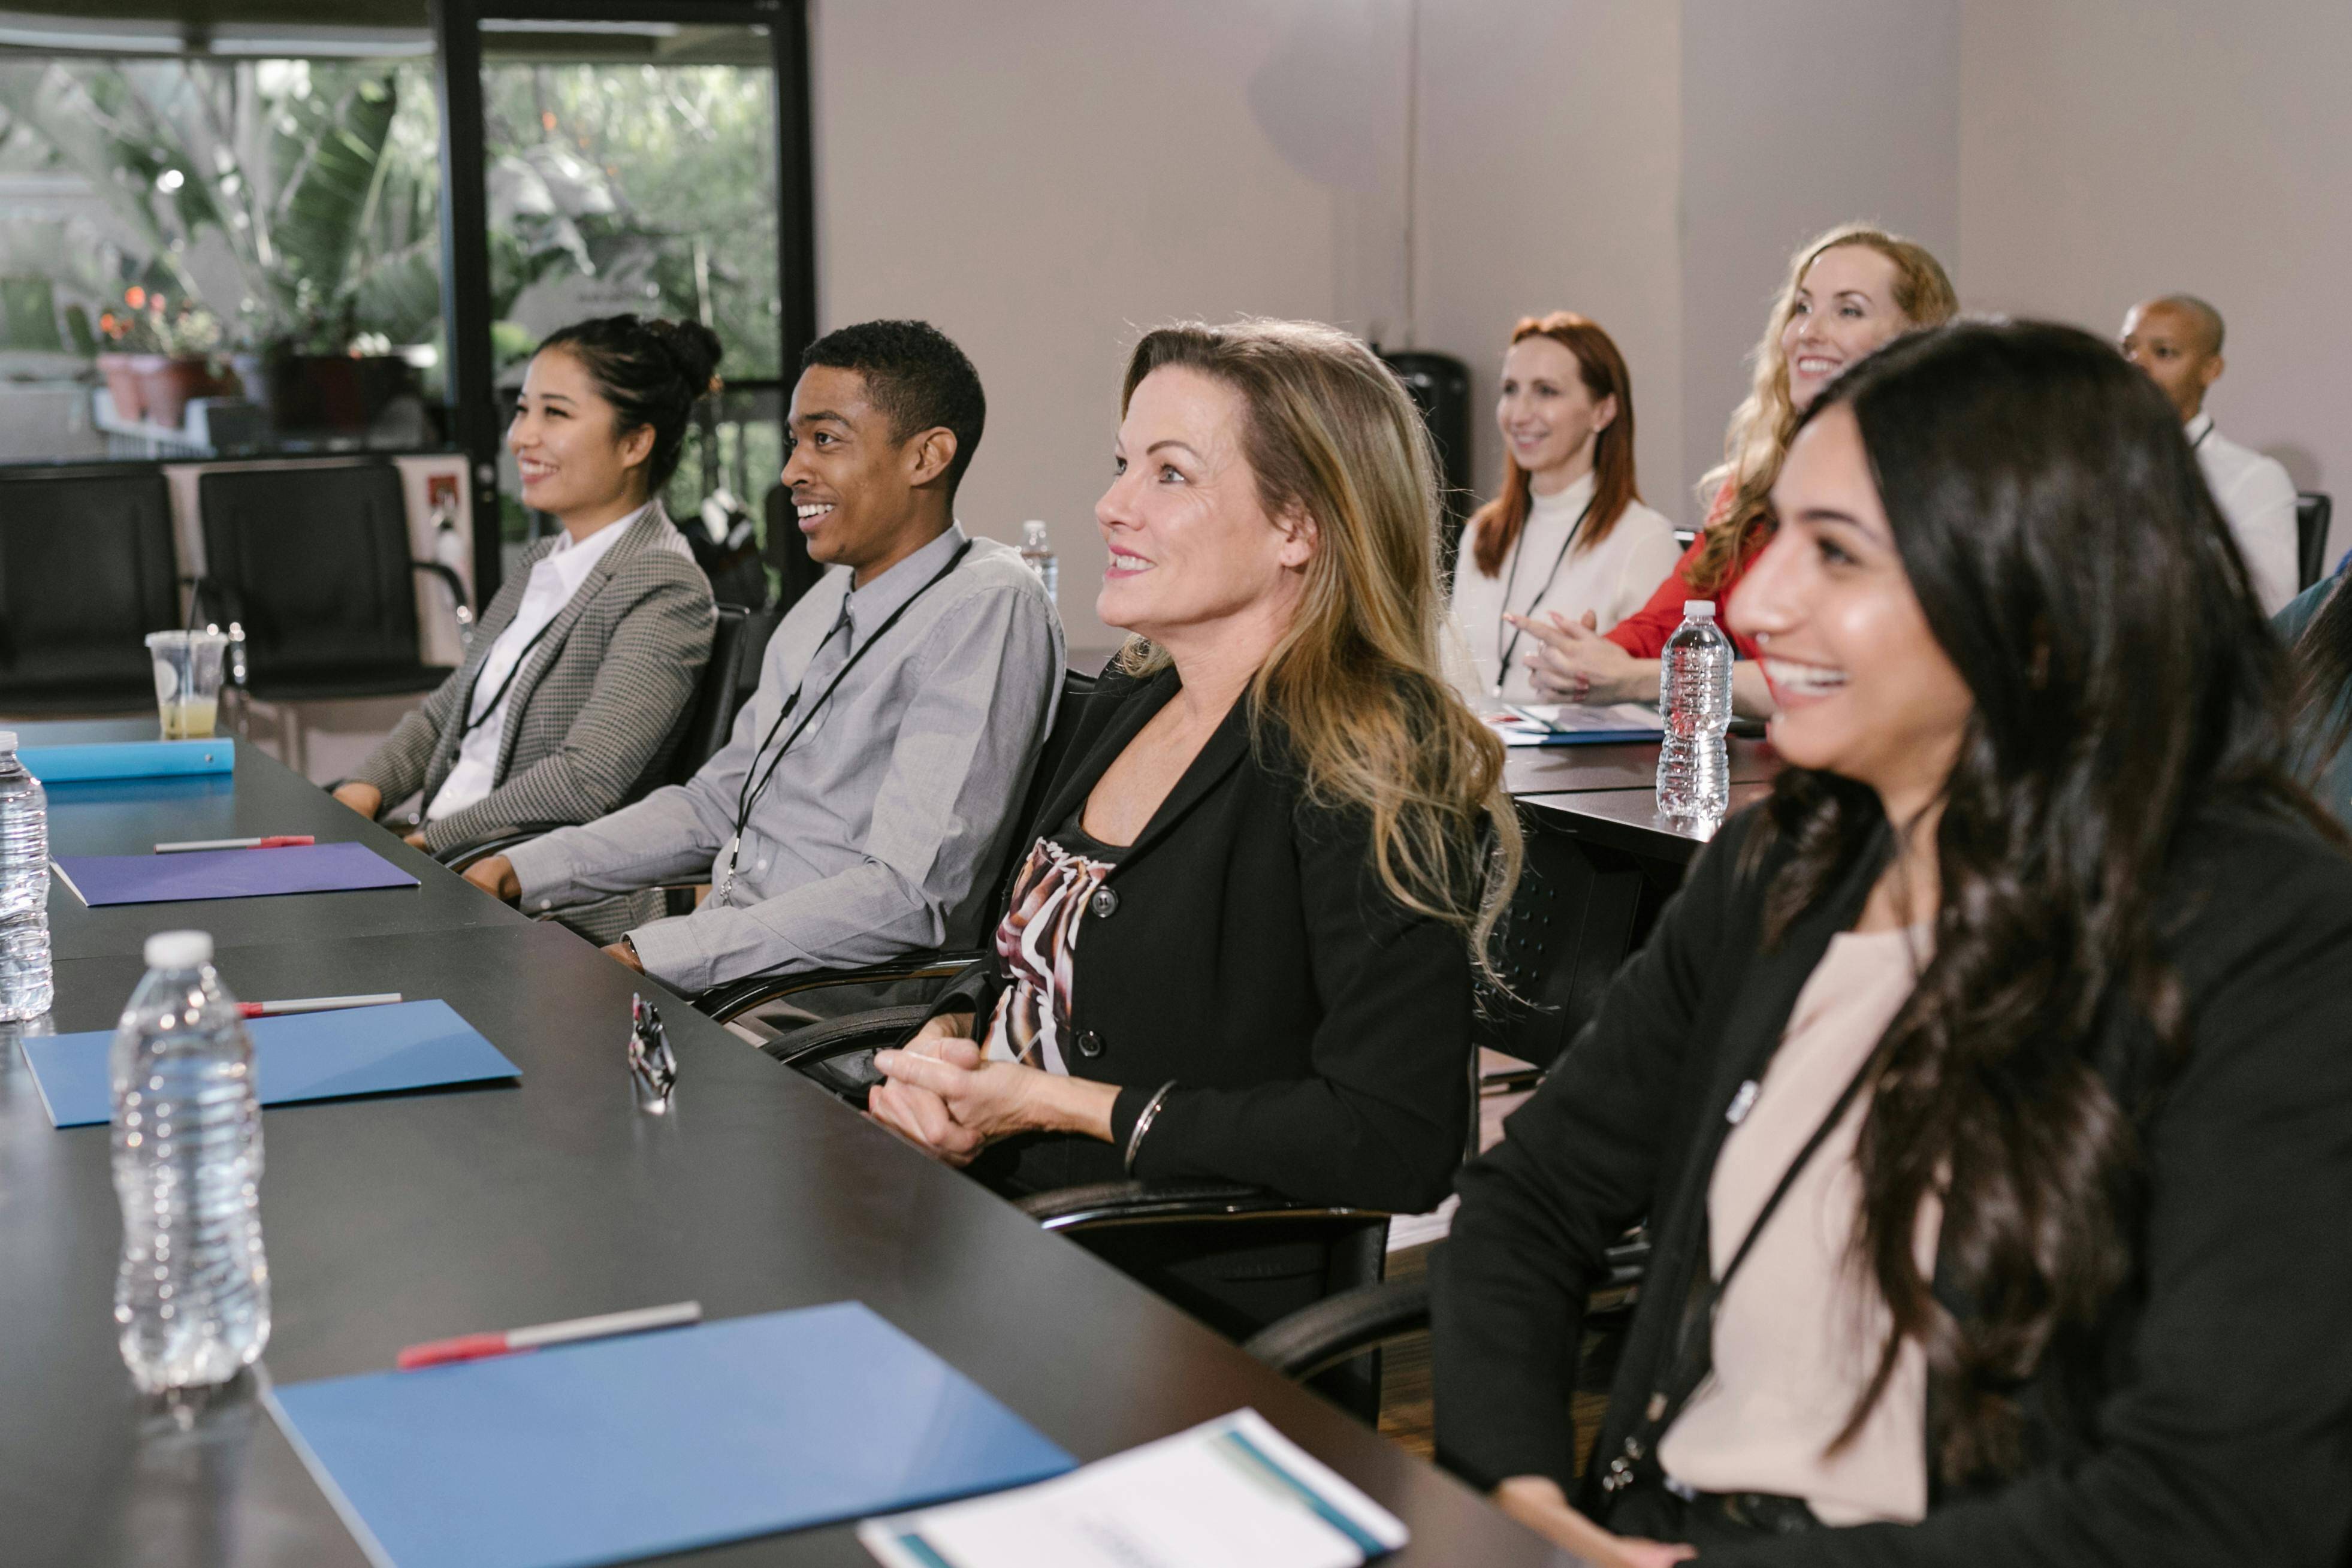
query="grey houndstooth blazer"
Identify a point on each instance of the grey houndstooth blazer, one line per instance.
(594, 711)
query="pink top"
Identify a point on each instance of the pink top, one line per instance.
(1798, 1332)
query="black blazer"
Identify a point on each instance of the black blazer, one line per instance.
(1317, 1033)
(2214, 1421)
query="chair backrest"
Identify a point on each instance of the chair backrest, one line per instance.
(2312, 512)
(86, 573)
(736, 645)
(1076, 687)
(316, 562)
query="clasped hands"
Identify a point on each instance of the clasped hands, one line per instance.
(1572, 662)
(943, 1094)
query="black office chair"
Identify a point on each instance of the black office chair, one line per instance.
(2313, 511)
(1315, 1341)
(86, 573)
(308, 570)
(737, 644)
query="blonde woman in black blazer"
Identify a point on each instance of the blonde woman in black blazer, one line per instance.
(582, 708)
(1242, 944)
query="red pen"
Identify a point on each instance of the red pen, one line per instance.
(513, 1341)
(274, 841)
(316, 1004)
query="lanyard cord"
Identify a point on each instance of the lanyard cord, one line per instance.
(749, 796)
(483, 716)
(1503, 651)
(2201, 436)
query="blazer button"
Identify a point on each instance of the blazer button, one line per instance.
(1106, 902)
(1090, 1044)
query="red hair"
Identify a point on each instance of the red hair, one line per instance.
(1495, 526)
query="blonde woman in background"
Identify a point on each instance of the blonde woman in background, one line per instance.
(1850, 291)
(1569, 535)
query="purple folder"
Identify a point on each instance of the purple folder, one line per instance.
(102, 879)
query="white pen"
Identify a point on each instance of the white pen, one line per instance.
(274, 841)
(316, 1004)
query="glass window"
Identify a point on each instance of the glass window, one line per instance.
(208, 256)
(631, 167)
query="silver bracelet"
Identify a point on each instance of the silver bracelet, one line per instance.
(1143, 1125)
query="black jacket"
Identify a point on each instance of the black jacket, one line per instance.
(1317, 1033)
(2209, 1419)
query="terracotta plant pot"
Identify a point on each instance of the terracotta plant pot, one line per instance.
(122, 385)
(169, 380)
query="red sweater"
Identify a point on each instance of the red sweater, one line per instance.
(1643, 634)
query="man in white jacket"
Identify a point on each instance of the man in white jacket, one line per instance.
(2177, 339)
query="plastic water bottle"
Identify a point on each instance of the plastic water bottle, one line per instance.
(1038, 551)
(26, 985)
(1694, 700)
(192, 1297)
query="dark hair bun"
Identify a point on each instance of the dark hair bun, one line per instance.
(653, 372)
(695, 349)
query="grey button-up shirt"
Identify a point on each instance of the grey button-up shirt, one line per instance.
(877, 834)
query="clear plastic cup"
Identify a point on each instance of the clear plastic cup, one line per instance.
(187, 681)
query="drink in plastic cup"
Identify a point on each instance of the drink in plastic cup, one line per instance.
(187, 681)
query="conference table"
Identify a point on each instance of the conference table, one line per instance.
(394, 1220)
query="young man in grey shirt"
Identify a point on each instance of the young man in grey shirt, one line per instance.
(867, 792)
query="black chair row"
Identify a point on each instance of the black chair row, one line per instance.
(307, 567)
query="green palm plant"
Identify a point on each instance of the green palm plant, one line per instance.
(317, 180)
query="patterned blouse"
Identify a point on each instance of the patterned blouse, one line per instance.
(1037, 942)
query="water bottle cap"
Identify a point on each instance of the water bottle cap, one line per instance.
(1699, 608)
(179, 949)
(7, 740)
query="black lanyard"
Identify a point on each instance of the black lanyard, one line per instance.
(1503, 651)
(483, 717)
(749, 795)
(2201, 436)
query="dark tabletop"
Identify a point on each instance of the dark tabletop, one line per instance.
(131, 816)
(392, 1220)
(1561, 770)
(1628, 820)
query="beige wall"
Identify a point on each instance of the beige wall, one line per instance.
(2112, 151)
(1044, 180)
(1551, 142)
(1799, 115)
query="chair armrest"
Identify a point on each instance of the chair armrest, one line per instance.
(1103, 1204)
(1340, 1328)
(458, 607)
(877, 1029)
(730, 1001)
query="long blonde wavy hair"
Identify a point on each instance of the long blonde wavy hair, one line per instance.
(1760, 427)
(1355, 681)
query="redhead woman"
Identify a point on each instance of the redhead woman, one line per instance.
(1849, 291)
(1985, 1089)
(569, 698)
(1569, 535)
(1242, 944)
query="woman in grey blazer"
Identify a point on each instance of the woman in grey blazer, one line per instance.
(567, 703)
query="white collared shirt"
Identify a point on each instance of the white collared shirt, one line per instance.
(554, 579)
(2258, 498)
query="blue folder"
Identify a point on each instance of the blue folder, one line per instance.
(620, 1448)
(102, 880)
(301, 1056)
(128, 759)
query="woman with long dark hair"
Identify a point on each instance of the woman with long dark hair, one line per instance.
(1569, 534)
(1986, 1090)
